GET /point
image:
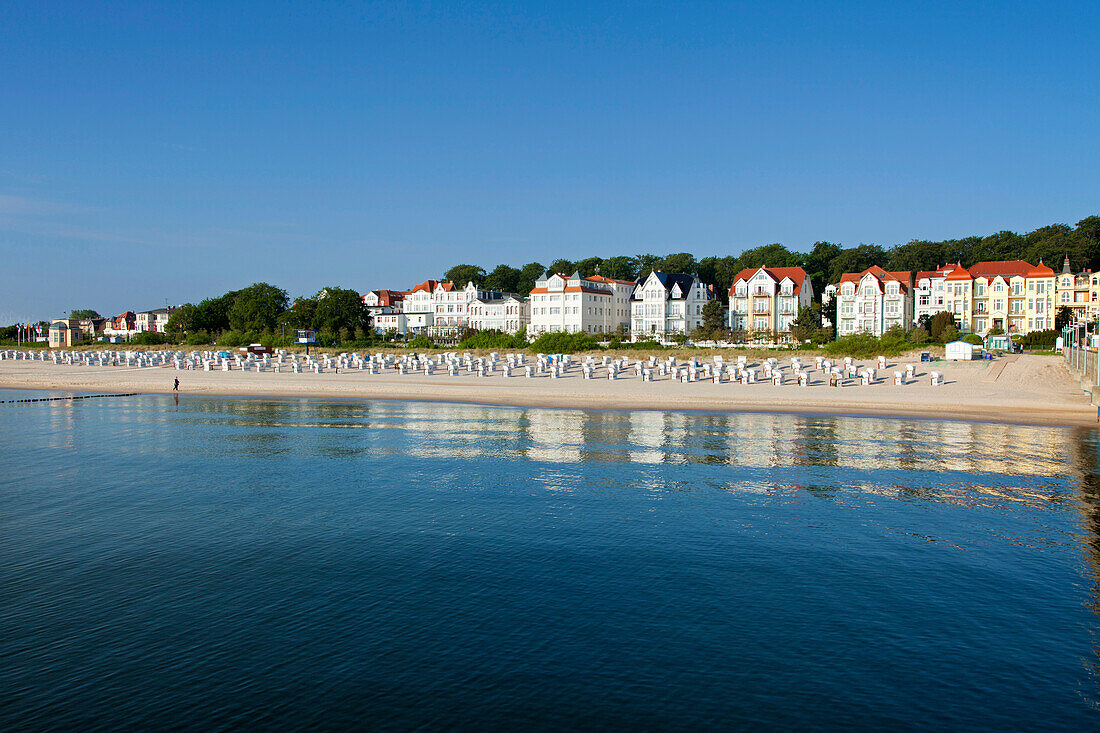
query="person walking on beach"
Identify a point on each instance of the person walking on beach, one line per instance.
(176, 386)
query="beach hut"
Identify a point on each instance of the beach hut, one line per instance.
(959, 351)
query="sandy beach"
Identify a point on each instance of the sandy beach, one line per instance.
(1023, 389)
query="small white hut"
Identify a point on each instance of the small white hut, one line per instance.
(959, 351)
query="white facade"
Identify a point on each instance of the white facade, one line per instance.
(384, 322)
(664, 304)
(577, 304)
(873, 301)
(507, 314)
(154, 320)
(928, 292)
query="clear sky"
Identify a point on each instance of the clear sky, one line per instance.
(172, 151)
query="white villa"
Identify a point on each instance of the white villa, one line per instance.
(667, 303)
(764, 301)
(154, 320)
(505, 312)
(873, 301)
(928, 291)
(576, 304)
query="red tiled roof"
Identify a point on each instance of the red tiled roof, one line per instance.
(427, 286)
(900, 276)
(1003, 268)
(960, 273)
(796, 274)
(1041, 270)
(387, 297)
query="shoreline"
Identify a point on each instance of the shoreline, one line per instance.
(1029, 394)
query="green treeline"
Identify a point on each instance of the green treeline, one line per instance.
(263, 313)
(825, 262)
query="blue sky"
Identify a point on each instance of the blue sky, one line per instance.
(172, 151)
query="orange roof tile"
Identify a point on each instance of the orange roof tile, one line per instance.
(1000, 268)
(900, 276)
(796, 274)
(427, 286)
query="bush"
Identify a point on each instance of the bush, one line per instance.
(199, 338)
(973, 338)
(492, 339)
(864, 345)
(421, 342)
(233, 339)
(949, 333)
(1044, 339)
(564, 343)
(918, 336)
(149, 338)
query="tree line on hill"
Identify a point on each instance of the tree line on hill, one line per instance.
(824, 263)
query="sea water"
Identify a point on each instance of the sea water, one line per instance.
(213, 564)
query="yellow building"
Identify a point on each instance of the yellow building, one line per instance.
(1079, 292)
(1011, 296)
(64, 332)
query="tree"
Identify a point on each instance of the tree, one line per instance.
(340, 311)
(181, 319)
(645, 264)
(504, 278)
(462, 274)
(299, 315)
(939, 323)
(257, 307)
(589, 266)
(528, 275)
(806, 325)
(212, 314)
(828, 312)
(619, 268)
(681, 262)
(561, 267)
(1062, 318)
(84, 314)
(714, 316)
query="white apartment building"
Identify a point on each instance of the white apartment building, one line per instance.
(873, 301)
(434, 304)
(667, 303)
(764, 300)
(154, 320)
(576, 304)
(929, 290)
(507, 313)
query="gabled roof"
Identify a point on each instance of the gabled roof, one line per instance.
(796, 274)
(428, 286)
(959, 273)
(900, 276)
(1041, 270)
(669, 280)
(388, 297)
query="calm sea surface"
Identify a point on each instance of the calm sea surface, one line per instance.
(237, 563)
